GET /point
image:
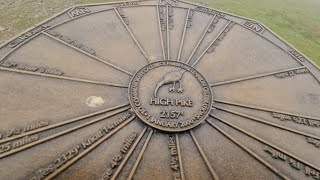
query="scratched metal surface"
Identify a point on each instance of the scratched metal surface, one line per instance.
(156, 90)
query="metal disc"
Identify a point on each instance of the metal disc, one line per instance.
(156, 90)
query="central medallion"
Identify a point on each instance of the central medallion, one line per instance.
(170, 96)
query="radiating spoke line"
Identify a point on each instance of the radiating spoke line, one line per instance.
(280, 47)
(201, 39)
(30, 38)
(132, 36)
(254, 77)
(138, 160)
(204, 157)
(124, 161)
(89, 149)
(65, 122)
(183, 35)
(287, 51)
(263, 109)
(48, 138)
(37, 34)
(264, 142)
(160, 33)
(89, 55)
(205, 51)
(63, 77)
(180, 157)
(254, 155)
(59, 24)
(168, 33)
(266, 122)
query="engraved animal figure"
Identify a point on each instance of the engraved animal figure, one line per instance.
(171, 78)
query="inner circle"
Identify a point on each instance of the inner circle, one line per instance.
(170, 96)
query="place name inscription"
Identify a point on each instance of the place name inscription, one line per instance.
(313, 141)
(292, 73)
(297, 55)
(18, 143)
(31, 68)
(9, 146)
(123, 16)
(16, 131)
(131, 3)
(308, 171)
(171, 102)
(71, 42)
(117, 159)
(174, 160)
(209, 11)
(28, 35)
(175, 114)
(296, 119)
(74, 152)
(213, 24)
(162, 18)
(170, 17)
(220, 37)
(190, 17)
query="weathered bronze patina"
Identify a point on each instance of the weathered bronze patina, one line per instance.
(156, 90)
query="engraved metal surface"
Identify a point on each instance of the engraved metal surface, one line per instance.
(156, 90)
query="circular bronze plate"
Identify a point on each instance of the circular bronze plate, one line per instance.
(156, 90)
(170, 96)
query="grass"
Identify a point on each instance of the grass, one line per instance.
(297, 21)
